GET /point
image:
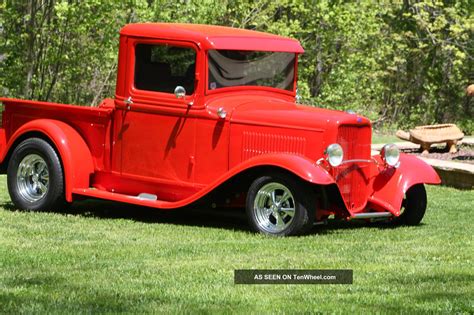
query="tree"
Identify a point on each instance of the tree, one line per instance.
(401, 63)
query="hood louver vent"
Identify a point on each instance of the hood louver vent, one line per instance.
(255, 143)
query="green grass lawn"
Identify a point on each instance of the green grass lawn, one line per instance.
(385, 137)
(104, 257)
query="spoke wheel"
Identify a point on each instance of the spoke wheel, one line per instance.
(274, 207)
(32, 178)
(35, 176)
(280, 205)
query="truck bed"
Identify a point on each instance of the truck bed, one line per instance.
(92, 123)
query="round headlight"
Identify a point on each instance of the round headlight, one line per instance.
(390, 154)
(334, 154)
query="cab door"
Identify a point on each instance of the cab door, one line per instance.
(157, 131)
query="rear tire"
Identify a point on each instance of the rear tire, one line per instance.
(413, 206)
(35, 176)
(280, 205)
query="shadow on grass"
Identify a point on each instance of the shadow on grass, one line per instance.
(41, 293)
(453, 298)
(201, 216)
(44, 293)
(197, 216)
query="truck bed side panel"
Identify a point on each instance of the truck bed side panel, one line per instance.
(92, 123)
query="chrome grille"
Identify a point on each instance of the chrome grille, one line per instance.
(352, 178)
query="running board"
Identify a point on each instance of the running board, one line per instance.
(371, 215)
(143, 199)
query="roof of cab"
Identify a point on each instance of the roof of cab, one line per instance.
(214, 37)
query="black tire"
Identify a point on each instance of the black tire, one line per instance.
(41, 168)
(413, 206)
(268, 220)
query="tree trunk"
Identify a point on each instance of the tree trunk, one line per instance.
(31, 10)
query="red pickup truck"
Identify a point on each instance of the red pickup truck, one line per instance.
(198, 107)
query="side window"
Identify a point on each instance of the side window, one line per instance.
(161, 68)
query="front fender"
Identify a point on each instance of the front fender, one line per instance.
(74, 153)
(388, 185)
(302, 167)
(298, 165)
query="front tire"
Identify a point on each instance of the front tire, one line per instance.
(413, 206)
(35, 176)
(280, 205)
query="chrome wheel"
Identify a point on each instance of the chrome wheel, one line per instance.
(274, 207)
(32, 178)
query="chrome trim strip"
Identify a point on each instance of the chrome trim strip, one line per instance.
(358, 161)
(371, 215)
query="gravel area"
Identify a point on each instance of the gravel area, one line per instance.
(465, 154)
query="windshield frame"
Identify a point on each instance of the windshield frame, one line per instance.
(251, 87)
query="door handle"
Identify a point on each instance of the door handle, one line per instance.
(128, 103)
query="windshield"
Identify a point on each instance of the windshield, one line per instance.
(229, 68)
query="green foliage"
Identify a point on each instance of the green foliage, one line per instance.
(431, 61)
(59, 50)
(401, 63)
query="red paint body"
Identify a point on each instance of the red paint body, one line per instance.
(180, 153)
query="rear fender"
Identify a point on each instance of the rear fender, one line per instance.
(389, 185)
(74, 153)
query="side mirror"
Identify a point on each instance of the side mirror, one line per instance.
(180, 92)
(298, 97)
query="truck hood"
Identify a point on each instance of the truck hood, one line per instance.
(269, 111)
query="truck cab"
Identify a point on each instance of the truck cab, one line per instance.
(197, 107)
